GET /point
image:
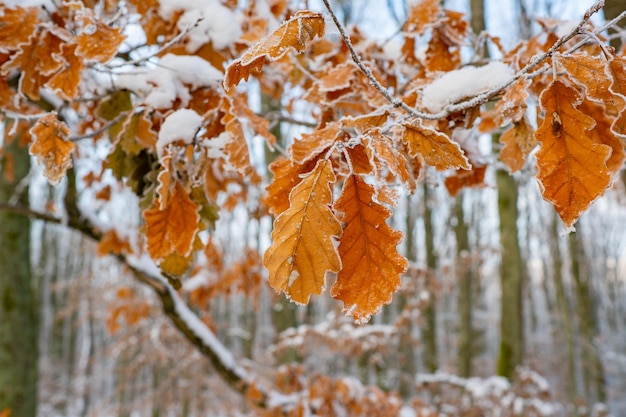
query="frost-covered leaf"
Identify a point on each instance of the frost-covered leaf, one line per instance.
(51, 147)
(173, 228)
(295, 34)
(367, 248)
(572, 168)
(302, 249)
(434, 147)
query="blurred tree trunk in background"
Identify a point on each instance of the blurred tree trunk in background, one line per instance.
(511, 278)
(465, 275)
(565, 314)
(429, 330)
(19, 309)
(586, 309)
(612, 9)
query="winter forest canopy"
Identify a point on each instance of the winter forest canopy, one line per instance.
(320, 208)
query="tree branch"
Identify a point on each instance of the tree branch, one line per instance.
(183, 318)
(469, 103)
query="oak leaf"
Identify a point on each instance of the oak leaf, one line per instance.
(37, 60)
(172, 229)
(16, 26)
(312, 144)
(97, 41)
(518, 142)
(394, 161)
(367, 248)
(51, 147)
(590, 72)
(286, 175)
(302, 28)
(65, 82)
(601, 133)
(423, 14)
(111, 242)
(434, 147)
(475, 177)
(572, 168)
(303, 249)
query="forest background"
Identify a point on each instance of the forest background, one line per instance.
(436, 165)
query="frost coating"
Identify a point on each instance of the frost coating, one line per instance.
(182, 125)
(466, 82)
(214, 22)
(172, 79)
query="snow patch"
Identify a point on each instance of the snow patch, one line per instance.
(292, 278)
(172, 79)
(466, 82)
(183, 125)
(214, 22)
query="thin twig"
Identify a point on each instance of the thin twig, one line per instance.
(103, 129)
(164, 47)
(479, 98)
(278, 117)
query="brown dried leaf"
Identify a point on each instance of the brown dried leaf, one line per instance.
(97, 41)
(16, 26)
(368, 250)
(303, 250)
(518, 142)
(51, 147)
(475, 177)
(434, 147)
(172, 229)
(312, 144)
(302, 28)
(572, 168)
(590, 72)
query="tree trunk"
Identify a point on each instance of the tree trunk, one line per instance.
(593, 370)
(466, 281)
(563, 306)
(429, 331)
(19, 309)
(511, 322)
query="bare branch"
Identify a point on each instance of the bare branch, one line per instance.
(103, 129)
(476, 100)
(183, 318)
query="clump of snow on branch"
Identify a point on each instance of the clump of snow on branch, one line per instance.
(214, 22)
(470, 81)
(182, 125)
(171, 80)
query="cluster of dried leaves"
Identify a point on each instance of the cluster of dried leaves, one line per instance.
(334, 188)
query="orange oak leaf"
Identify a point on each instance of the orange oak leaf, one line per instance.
(51, 146)
(434, 147)
(303, 249)
(572, 168)
(16, 26)
(37, 60)
(65, 82)
(97, 41)
(312, 144)
(590, 72)
(422, 15)
(237, 148)
(111, 242)
(518, 142)
(601, 133)
(302, 28)
(475, 177)
(367, 248)
(363, 124)
(173, 229)
(394, 160)
(240, 108)
(286, 175)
